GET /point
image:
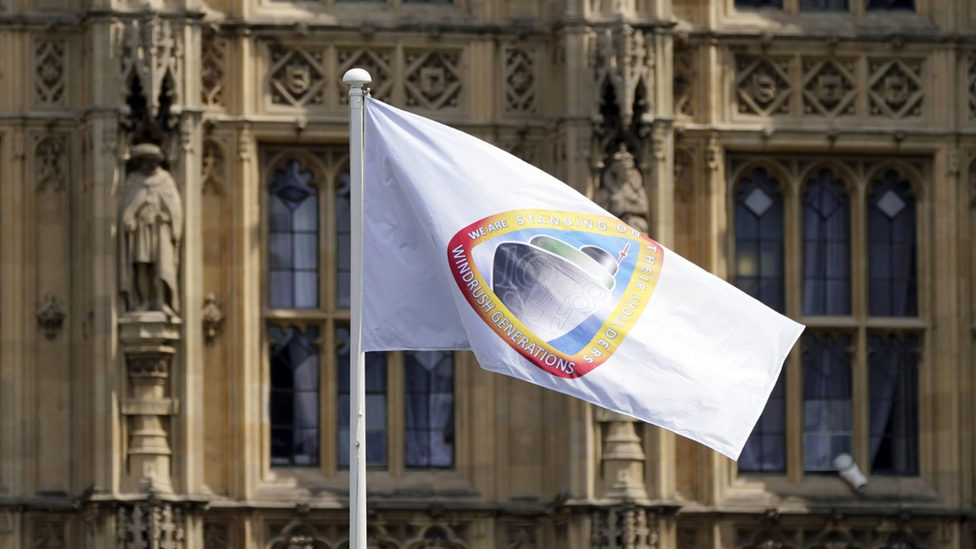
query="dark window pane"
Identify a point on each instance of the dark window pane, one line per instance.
(894, 404)
(759, 4)
(891, 4)
(429, 409)
(823, 5)
(759, 238)
(375, 405)
(294, 399)
(892, 279)
(826, 246)
(826, 399)
(765, 451)
(293, 239)
(343, 236)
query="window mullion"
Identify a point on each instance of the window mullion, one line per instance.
(861, 407)
(395, 406)
(793, 272)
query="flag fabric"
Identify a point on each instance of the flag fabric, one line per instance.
(468, 247)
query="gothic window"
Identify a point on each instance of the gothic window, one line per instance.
(294, 399)
(759, 238)
(891, 4)
(409, 396)
(823, 5)
(853, 383)
(778, 4)
(826, 246)
(894, 404)
(891, 247)
(827, 395)
(429, 409)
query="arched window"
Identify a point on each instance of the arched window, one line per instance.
(853, 387)
(759, 238)
(826, 246)
(892, 284)
(410, 400)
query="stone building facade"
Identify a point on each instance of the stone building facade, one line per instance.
(173, 269)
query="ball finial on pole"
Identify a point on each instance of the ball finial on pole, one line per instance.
(357, 78)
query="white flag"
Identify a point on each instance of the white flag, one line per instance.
(466, 246)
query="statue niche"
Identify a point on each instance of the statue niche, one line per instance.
(150, 231)
(621, 190)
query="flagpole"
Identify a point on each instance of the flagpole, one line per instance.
(356, 79)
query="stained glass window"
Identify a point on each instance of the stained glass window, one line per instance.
(376, 414)
(293, 239)
(294, 398)
(892, 284)
(826, 400)
(429, 409)
(826, 246)
(894, 404)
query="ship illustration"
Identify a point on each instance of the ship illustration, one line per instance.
(552, 286)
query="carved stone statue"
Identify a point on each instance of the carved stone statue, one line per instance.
(150, 230)
(622, 191)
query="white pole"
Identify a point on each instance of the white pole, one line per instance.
(356, 79)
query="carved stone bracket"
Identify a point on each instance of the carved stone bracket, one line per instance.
(148, 344)
(50, 316)
(627, 526)
(150, 524)
(213, 318)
